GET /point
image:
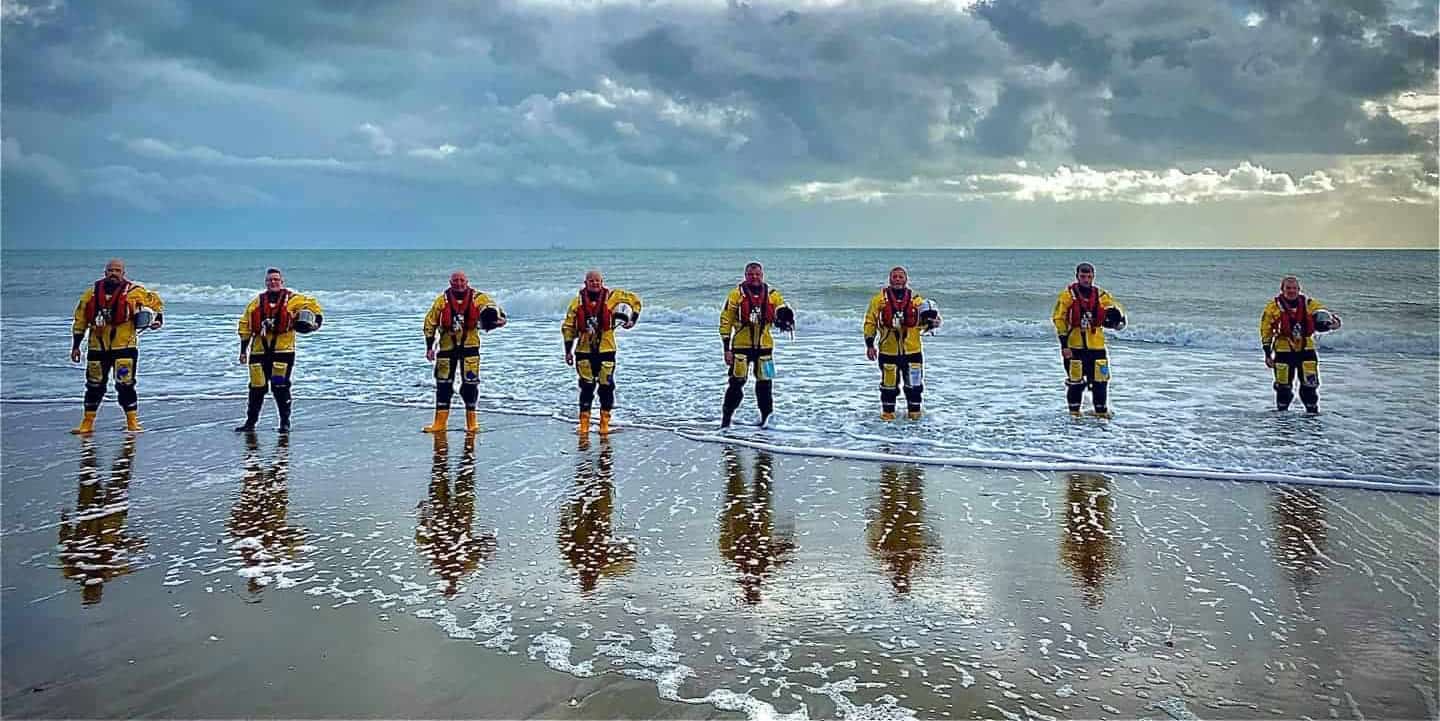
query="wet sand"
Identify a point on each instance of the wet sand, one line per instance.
(363, 569)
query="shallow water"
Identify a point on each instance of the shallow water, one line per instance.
(194, 573)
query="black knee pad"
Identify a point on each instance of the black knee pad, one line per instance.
(607, 397)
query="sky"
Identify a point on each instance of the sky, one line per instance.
(697, 123)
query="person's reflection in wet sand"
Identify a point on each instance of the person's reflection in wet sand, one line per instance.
(1298, 516)
(1088, 545)
(259, 529)
(444, 533)
(94, 545)
(748, 537)
(587, 532)
(896, 532)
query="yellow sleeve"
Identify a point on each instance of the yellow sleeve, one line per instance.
(620, 295)
(482, 300)
(1312, 305)
(1107, 302)
(872, 315)
(245, 317)
(1061, 315)
(300, 301)
(149, 298)
(567, 328)
(776, 299)
(81, 321)
(432, 316)
(727, 314)
(1267, 323)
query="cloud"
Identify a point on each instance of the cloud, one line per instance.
(691, 106)
(145, 190)
(161, 150)
(439, 152)
(153, 192)
(29, 13)
(376, 137)
(1066, 184)
(47, 170)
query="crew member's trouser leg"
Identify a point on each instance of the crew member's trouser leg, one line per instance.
(1306, 365)
(739, 372)
(98, 367)
(889, 385)
(1087, 368)
(897, 370)
(765, 385)
(596, 371)
(269, 371)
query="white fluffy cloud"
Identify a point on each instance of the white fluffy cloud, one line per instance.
(1066, 184)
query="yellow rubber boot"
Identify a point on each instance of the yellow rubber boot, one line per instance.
(604, 423)
(584, 427)
(132, 422)
(472, 421)
(913, 415)
(87, 424)
(887, 415)
(442, 419)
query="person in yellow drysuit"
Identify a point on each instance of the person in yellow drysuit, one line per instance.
(1287, 333)
(750, 310)
(458, 316)
(895, 314)
(589, 335)
(267, 344)
(110, 310)
(1082, 312)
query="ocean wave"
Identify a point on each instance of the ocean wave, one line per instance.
(550, 303)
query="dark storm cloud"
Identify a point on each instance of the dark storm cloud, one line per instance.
(687, 105)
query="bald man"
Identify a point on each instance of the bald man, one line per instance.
(589, 334)
(109, 310)
(457, 317)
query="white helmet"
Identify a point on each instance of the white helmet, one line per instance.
(622, 315)
(143, 318)
(305, 321)
(930, 314)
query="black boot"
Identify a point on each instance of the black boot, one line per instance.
(282, 404)
(733, 394)
(252, 410)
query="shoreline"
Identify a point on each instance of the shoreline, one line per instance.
(347, 571)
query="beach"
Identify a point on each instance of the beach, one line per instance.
(363, 569)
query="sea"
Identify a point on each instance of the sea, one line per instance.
(1191, 394)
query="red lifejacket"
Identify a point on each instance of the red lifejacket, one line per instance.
(462, 307)
(276, 311)
(597, 309)
(115, 302)
(1079, 305)
(758, 301)
(898, 304)
(1292, 318)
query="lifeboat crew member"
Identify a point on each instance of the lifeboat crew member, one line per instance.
(750, 311)
(1288, 326)
(113, 310)
(589, 338)
(267, 344)
(899, 316)
(1082, 313)
(457, 317)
